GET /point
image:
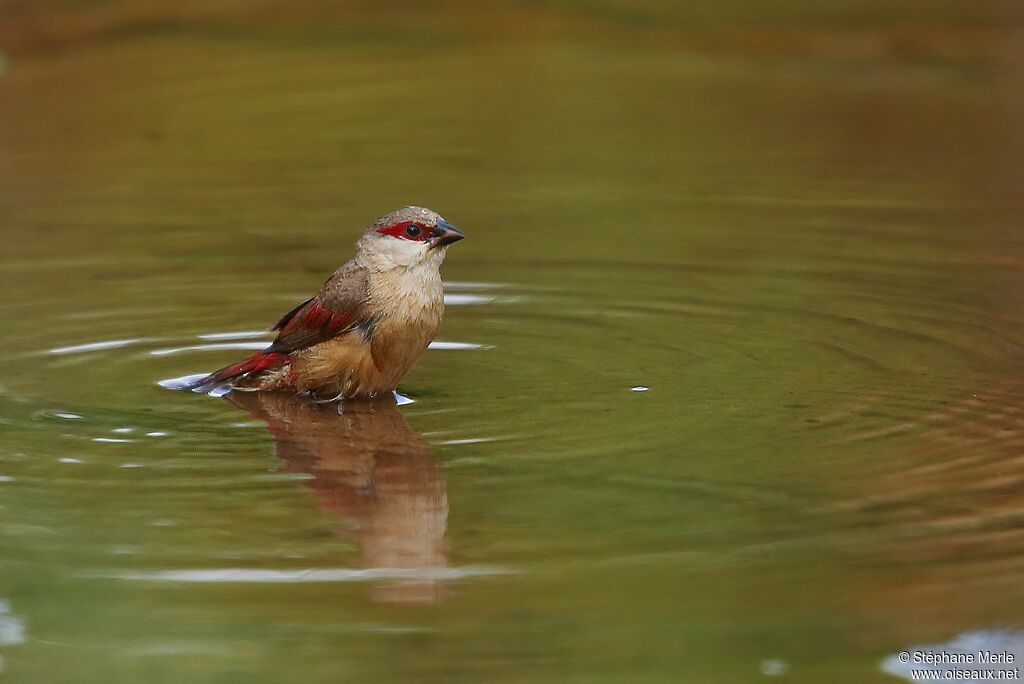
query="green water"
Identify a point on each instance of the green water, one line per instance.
(800, 229)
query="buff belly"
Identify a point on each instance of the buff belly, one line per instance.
(350, 366)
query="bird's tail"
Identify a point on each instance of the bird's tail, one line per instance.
(260, 361)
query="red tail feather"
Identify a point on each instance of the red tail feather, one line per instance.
(259, 361)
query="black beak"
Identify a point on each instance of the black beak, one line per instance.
(444, 233)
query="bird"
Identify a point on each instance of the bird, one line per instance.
(364, 329)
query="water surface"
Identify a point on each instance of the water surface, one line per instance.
(800, 233)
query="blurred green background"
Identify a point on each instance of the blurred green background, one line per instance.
(797, 224)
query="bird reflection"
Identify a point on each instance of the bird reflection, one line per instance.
(372, 472)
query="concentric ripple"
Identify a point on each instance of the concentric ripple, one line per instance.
(728, 385)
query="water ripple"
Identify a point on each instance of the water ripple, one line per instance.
(268, 576)
(95, 346)
(12, 627)
(167, 351)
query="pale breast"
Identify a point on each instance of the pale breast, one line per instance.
(411, 305)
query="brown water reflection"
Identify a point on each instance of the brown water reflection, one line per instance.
(374, 474)
(937, 525)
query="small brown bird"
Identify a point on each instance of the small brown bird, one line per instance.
(365, 328)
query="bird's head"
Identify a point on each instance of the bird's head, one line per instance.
(408, 237)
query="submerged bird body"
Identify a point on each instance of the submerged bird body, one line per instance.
(368, 324)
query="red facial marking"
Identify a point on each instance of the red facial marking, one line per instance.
(407, 230)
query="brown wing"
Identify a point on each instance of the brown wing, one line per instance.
(337, 308)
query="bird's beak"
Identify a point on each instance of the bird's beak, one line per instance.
(444, 233)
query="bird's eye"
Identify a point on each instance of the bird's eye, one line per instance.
(412, 230)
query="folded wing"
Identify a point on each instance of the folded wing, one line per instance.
(337, 308)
